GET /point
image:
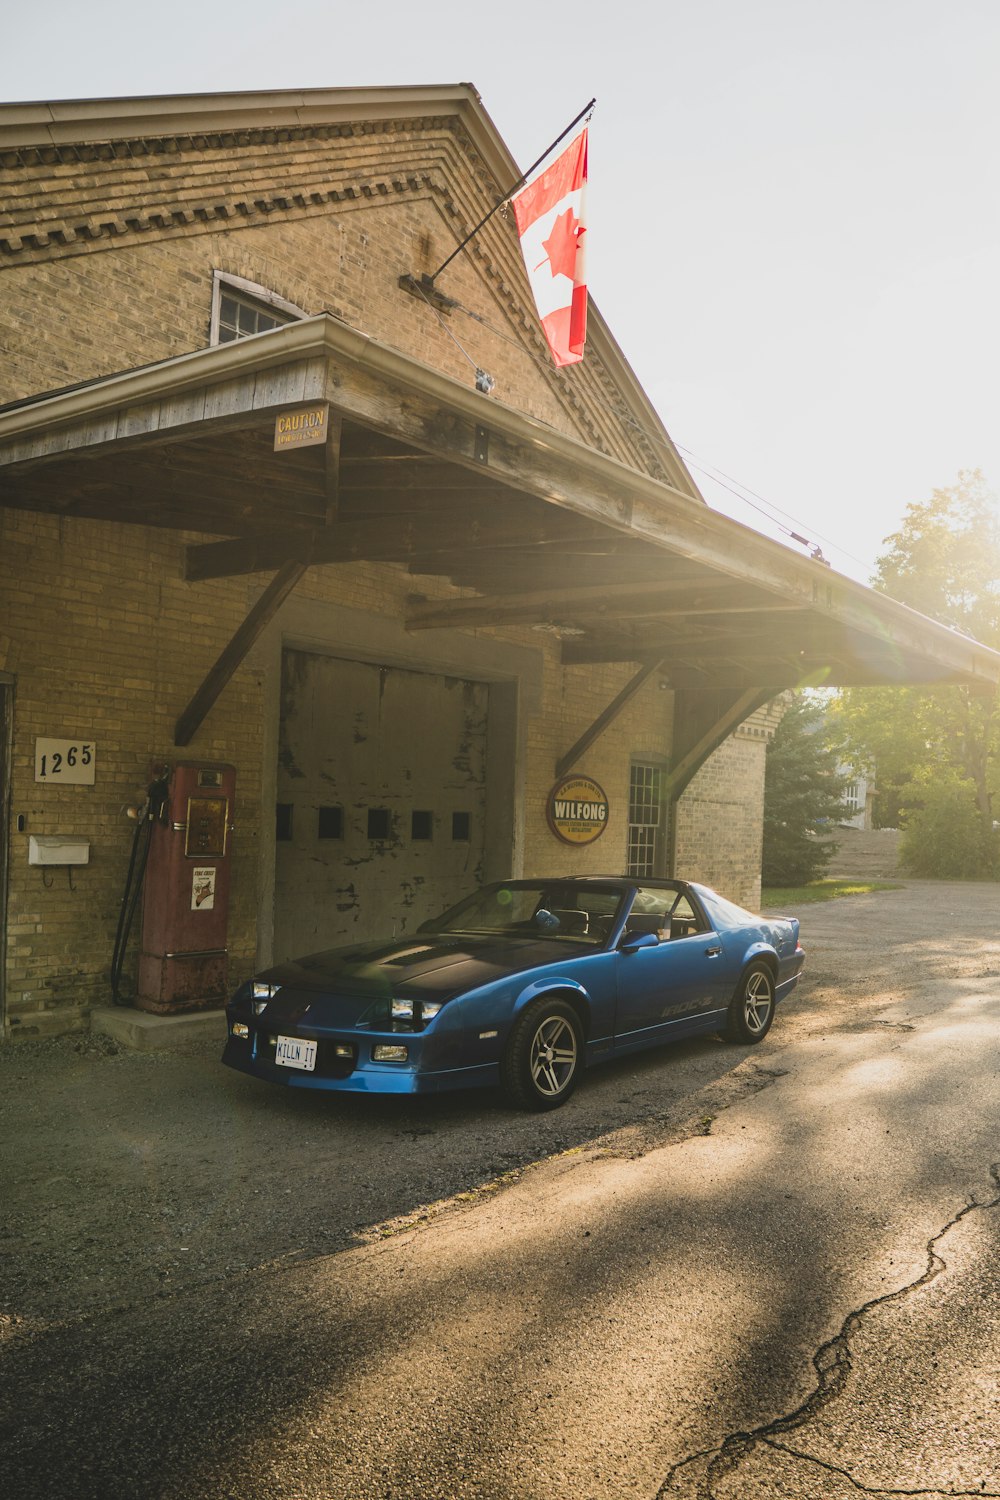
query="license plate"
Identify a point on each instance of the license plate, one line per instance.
(293, 1052)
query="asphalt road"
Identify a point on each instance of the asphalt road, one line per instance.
(714, 1273)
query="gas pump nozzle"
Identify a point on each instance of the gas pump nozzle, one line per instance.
(154, 801)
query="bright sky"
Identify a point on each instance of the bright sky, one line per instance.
(794, 216)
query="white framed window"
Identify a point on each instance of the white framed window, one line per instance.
(241, 308)
(645, 819)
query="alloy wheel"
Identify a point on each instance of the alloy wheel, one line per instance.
(553, 1056)
(757, 1002)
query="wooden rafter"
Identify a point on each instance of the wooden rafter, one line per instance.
(373, 540)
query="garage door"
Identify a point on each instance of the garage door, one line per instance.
(381, 799)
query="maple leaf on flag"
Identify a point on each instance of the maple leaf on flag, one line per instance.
(560, 247)
(552, 227)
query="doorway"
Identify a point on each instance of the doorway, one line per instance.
(381, 802)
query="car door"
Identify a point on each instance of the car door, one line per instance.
(670, 987)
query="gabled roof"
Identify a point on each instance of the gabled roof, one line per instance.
(130, 130)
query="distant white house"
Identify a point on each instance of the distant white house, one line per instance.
(859, 797)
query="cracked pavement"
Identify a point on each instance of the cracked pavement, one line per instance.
(715, 1274)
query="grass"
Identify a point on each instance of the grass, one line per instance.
(823, 890)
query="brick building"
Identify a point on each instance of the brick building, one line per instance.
(400, 636)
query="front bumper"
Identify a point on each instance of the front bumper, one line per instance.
(417, 1075)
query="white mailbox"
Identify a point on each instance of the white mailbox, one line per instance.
(57, 849)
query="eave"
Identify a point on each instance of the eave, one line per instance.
(537, 530)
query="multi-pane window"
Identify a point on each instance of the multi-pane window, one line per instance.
(240, 316)
(645, 819)
(241, 308)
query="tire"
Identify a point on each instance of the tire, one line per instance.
(544, 1056)
(751, 1009)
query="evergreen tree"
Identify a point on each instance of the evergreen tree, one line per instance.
(803, 792)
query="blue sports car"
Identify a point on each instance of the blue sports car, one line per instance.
(523, 984)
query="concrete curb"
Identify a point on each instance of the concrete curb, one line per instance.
(147, 1033)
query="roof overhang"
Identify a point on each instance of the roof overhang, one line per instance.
(536, 529)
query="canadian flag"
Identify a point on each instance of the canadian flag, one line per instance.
(553, 232)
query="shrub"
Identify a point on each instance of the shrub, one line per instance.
(943, 835)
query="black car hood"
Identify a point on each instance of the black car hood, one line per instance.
(423, 967)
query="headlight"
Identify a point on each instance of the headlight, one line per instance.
(261, 993)
(413, 1014)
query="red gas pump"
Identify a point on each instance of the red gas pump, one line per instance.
(183, 964)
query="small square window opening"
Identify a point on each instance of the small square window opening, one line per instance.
(460, 827)
(330, 823)
(283, 822)
(379, 823)
(421, 825)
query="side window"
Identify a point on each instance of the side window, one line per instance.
(684, 920)
(669, 914)
(241, 308)
(651, 912)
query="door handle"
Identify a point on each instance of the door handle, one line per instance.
(712, 952)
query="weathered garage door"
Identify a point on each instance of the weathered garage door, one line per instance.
(381, 799)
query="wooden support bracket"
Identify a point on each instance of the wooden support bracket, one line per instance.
(260, 616)
(703, 718)
(609, 715)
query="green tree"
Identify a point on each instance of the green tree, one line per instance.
(934, 748)
(803, 793)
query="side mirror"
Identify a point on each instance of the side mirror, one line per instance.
(633, 940)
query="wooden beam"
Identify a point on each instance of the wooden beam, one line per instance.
(374, 540)
(259, 617)
(592, 565)
(609, 715)
(610, 601)
(331, 465)
(702, 720)
(409, 472)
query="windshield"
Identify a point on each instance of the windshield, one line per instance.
(580, 914)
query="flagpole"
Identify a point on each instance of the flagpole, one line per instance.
(428, 281)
